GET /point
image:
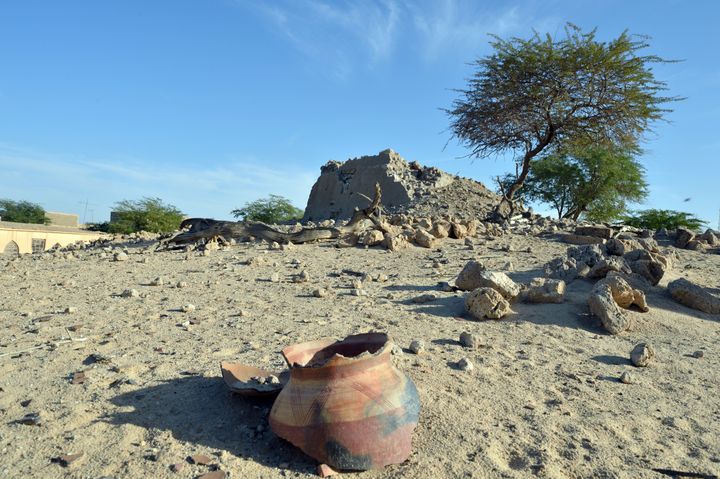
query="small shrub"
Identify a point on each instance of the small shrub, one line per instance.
(275, 209)
(669, 219)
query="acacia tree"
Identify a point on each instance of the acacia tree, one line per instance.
(146, 214)
(272, 210)
(596, 182)
(531, 96)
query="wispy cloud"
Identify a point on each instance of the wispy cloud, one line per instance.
(335, 32)
(347, 33)
(60, 182)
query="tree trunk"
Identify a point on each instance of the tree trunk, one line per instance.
(207, 229)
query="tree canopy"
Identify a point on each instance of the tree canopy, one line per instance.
(669, 219)
(22, 212)
(146, 214)
(275, 209)
(536, 95)
(595, 182)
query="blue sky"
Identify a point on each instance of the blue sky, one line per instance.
(210, 104)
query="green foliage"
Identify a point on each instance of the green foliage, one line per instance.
(147, 214)
(22, 212)
(595, 182)
(103, 227)
(669, 219)
(275, 209)
(537, 95)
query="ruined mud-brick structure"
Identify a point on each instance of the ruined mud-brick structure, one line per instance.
(406, 187)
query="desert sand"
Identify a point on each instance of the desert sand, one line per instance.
(544, 398)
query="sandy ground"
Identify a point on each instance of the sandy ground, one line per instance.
(543, 400)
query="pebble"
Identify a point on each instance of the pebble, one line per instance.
(465, 365)
(642, 354)
(445, 287)
(469, 340)
(188, 308)
(417, 346)
(157, 282)
(320, 292)
(627, 378)
(130, 293)
(121, 256)
(275, 278)
(698, 354)
(303, 277)
(70, 310)
(424, 298)
(181, 284)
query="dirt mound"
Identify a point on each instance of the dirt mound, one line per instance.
(407, 188)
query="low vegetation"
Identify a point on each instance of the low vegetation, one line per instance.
(275, 209)
(146, 214)
(22, 212)
(653, 219)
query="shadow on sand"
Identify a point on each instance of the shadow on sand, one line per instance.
(202, 411)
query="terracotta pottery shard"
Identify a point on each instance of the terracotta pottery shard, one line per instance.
(213, 475)
(78, 377)
(246, 380)
(201, 459)
(346, 404)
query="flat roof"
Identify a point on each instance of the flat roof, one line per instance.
(9, 225)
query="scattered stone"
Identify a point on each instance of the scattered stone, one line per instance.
(303, 277)
(121, 256)
(698, 354)
(465, 365)
(157, 282)
(469, 340)
(67, 460)
(469, 277)
(694, 296)
(445, 287)
(545, 290)
(394, 242)
(181, 284)
(627, 378)
(604, 266)
(130, 293)
(71, 310)
(177, 467)
(458, 230)
(683, 236)
(607, 298)
(218, 474)
(581, 240)
(498, 281)
(486, 303)
(597, 231)
(417, 346)
(642, 354)
(188, 308)
(373, 238)
(30, 419)
(424, 298)
(275, 277)
(78, 377)
(201, 459)
(440, 230)
(320, 293)
(424, 239)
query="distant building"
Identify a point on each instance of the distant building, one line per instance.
(22, 238)
(62, 219)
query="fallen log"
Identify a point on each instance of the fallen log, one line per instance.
(209, 229)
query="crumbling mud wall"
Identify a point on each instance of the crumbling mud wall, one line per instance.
(406, 187)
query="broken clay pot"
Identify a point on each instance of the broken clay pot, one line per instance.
(346, 405)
